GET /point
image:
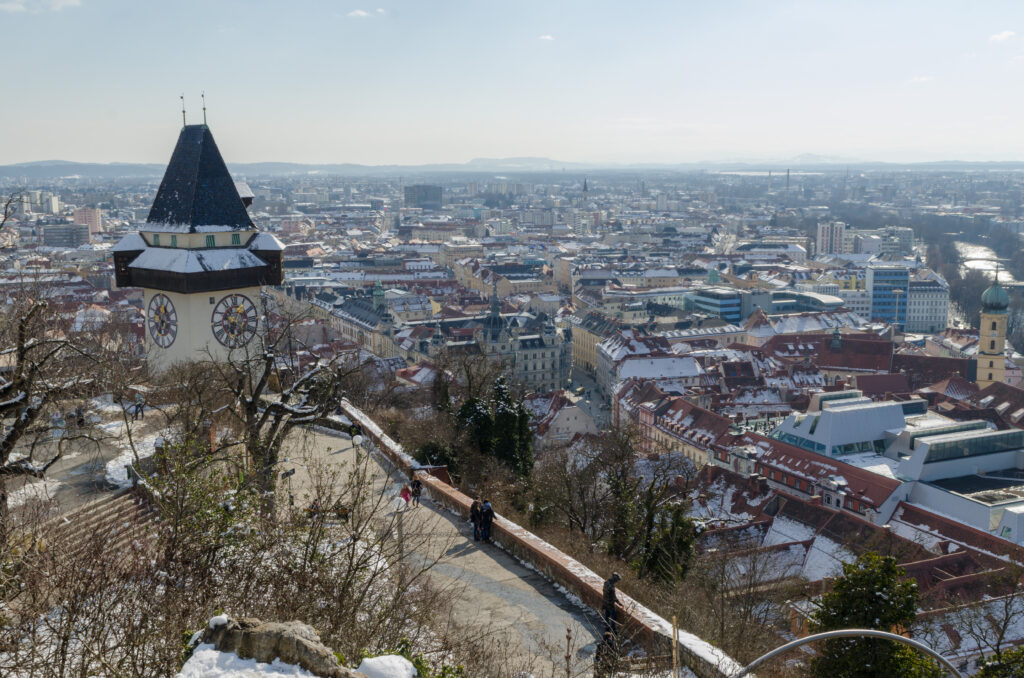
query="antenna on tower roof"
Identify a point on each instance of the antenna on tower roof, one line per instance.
(182, 97)
(203, 95)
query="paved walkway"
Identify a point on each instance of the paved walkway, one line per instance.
(494, 591)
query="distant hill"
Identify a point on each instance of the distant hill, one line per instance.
(54, 169)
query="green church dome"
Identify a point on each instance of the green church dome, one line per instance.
(995, 298)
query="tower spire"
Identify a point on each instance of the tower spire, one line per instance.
(203, 96)
(495, 302)
(182, 97)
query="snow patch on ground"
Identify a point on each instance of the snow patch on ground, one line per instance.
(388, 666)
(207, 662)
(105, 405)
(117, 468)
(41, 490)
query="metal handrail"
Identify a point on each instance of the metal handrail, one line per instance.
(849, 633)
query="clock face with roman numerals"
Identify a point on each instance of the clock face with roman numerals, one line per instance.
(234, 320)
(162, 320)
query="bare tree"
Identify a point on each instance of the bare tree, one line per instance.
(257, 418)
(992, 624)
(44, 366)
(8, 207)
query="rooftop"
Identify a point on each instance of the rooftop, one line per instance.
(197, 192)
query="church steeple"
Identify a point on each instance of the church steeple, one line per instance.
(379, 299)
(991, 358)
(495, 301)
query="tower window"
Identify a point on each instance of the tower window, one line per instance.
(156, 239)
(990, 376)
(992, 344)
(236, 239)
(991, 364)
(210, 241)
(993, 324)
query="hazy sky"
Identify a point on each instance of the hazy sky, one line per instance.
(418, 81)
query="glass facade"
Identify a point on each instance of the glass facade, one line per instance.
(941, 430)
(997, 441)
(889, 288)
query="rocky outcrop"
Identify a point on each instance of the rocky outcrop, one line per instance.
(291, 642)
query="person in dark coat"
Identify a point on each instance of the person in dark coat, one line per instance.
(486, 518)
(606, 657)
(417, 490)
(609, 600)
(474, 517)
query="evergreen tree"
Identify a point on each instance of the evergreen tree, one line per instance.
(871, 594)
(668, 545)
(476, 420)
(1008, 665)
(524, 450)
(506, 425)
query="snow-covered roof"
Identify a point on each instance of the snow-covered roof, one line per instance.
(130, 243)
(266, 242)
(165, 227)
(195, 261)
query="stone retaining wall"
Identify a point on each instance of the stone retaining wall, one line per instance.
(641, 624)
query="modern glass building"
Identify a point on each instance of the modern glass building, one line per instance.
(889, 287)
(720, 301)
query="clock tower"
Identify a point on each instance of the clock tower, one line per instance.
(199, 259)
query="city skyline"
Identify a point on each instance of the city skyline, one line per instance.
(404, 83)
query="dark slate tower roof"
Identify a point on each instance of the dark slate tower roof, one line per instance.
(197, 189)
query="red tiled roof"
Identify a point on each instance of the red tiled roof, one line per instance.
(880, 384)
(856, 351)
(956, 531)
(864, 486)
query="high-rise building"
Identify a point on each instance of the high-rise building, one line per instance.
(91, 217)
(992, 336)
(889, 287)
(830, 237)
(65, 235)
(423, 196)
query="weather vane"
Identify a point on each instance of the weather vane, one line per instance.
(182, 97)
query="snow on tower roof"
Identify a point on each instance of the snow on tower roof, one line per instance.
(131, 242)
(266, 242)
(196, 261)
(197, 190)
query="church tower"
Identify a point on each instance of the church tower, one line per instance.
(199, 259)
(992, 335)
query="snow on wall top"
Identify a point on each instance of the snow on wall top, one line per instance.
(196, 261)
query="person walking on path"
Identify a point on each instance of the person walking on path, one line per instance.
(606, 657)
(609, 600)
(417, 490)
(486, 518)
(474, 517)
(140, 409)
(405, 494)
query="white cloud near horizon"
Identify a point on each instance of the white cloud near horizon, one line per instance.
(546, 37)
(922, 78)
(359, 13)
(37, 5)
(1002, 36)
